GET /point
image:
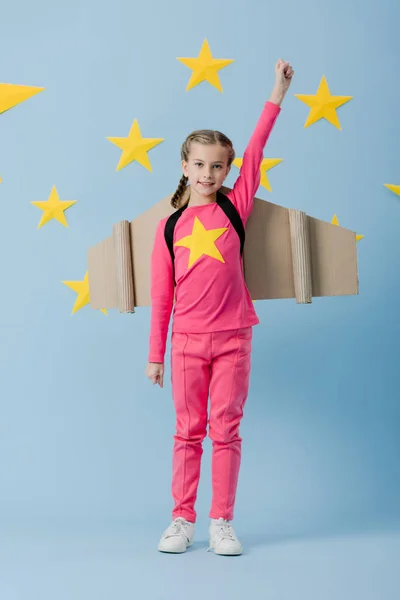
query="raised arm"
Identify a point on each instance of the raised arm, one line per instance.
(248, 181)
(162, 296)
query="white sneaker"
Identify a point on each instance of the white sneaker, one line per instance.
(223, 539)
(177, 537)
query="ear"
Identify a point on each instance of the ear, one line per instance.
(228, 171)
(185, 168)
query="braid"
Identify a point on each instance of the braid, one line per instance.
(179, 191)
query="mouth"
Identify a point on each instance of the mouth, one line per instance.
(206, 184)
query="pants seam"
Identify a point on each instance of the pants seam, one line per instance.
(224, 418)
(188, 420)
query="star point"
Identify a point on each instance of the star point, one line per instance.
(135, 147)
(266, 165)
(393, 188)
(335, 221)
(83, 293)
(12, 94)
(53, 208)
(202, 242)
(323, 105)
(205, 67)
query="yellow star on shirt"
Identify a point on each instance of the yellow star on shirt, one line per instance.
(266, 165)
(393, 188)
(323, 105)
(205, 67)
(53, 208)
(82, 289)
(11, 94)
(335, 221)
(135, 147)
(201, 241)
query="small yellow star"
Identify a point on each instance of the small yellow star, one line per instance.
(393, 188)
(335, 221)
(11, 94)
(266, 165)
(205, 67)
(323, 105)
(135, 147)
(82, 289)
(201, 242)
(53, 208)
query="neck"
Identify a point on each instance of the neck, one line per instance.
(196, 199)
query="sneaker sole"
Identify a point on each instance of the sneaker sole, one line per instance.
(165, 551)
(237, 553)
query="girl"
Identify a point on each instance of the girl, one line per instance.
(197, 256)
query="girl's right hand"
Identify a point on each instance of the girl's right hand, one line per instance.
(284, 74)
(155, 372)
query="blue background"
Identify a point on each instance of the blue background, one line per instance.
(85, 439)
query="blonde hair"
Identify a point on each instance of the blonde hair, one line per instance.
(206, 137)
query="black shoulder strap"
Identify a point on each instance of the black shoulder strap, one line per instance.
(225, 204)
(169, 232)
(231, 212)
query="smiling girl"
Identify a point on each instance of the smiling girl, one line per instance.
(197, 256)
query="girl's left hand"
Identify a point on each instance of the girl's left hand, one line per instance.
(284, 74)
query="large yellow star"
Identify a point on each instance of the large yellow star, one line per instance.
(53, 208)
(266, 165)
(135, 147)
(82, 289)
(11, 94)
(323, 105)
(205, 67)
(201, 241)
(335, 221)
(393, 188)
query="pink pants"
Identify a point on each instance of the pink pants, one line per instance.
(202, 365)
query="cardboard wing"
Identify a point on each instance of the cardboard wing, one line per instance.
(287, 254)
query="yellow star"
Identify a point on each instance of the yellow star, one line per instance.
(205, 67)
(323, 105)
(53, 208)
(11, 94)
(201, 242)
(266, 165)
(135, 147)
(335, 221)
(82, 289)
(393, 188)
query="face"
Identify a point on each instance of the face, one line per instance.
(207, 167)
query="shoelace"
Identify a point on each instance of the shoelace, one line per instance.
(176, 528)
(225, 531)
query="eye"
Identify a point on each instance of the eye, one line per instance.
(218, 166)
(198, 164)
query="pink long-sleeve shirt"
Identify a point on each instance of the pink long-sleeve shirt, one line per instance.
(211, 292)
